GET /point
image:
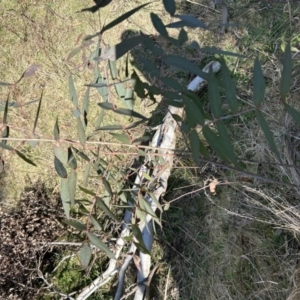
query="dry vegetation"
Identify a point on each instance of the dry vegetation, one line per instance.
(241, 242)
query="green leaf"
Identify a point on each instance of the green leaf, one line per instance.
(34, 143)
(139, 237)
(86, 191)
(56, 130)
(144, 205)
(123, 138)
(267, 132)
(72, 91)
(21, 155)
(120, 89)
(99, 244)
(229, 89)
(215, 50)
(194, 114)
(173, 102)
(113, 69)
(149, 44)
(86, 174)
(71, 159)
(76, 113)
(6, 147)
(195, 145)
(293, 113)
(115, 52)
(81, 154)
(5, 133)
(5, 83)
(75, 224)
(73, 53)
(107, 186)
(59, 168)
(170, 6)
(149, 67)
(214, 96)
(5, 114)
(215, 143)
(86, 101)
(286, 74)
(227, 147)
(95, 223)
(122, 18)
(259, 84)
(105, 209)
(72, 178)
(85, 255)
(185, 65)
(80, 132)
(121, 111)
(159, 25)
(65, 197)
(38, 112)
(61, 154)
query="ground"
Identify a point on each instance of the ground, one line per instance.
(239, 242)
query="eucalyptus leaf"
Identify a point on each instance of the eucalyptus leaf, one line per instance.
(85, 255)
(99, 244)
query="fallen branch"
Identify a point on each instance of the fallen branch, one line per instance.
(165, 140)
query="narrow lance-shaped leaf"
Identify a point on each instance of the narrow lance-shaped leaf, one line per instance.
(23, 156)
(95, 223)
(87, 191)
(64, 194)
(80, 153)
(267, 132)
(259, 84)
(99, 244)
(6, 147)
(121, 111)
(122, 18)
(229, 89)
(139, 237)
(75, 224)
(123, 138)
(214, 96)
(286, 74)
(107, 186)
(85, 255)
(105, 209)
(56, 130)
(72, 178)
(80, 132)
(37, 113)
(72, 91)
(71, 159)
(293, 113)
(60, 169)
(5, 131)
(195, 145)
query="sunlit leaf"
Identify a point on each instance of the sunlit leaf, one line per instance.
(89, 192)
(72, 91)
(129, 98)
(75, 224)
(105, 209)
(80, 132)
(85, 255)
(121, 111)
(35, 142)
(72, 178)
(99, 244)
(5, 83)
(87, 170)
(139, 237)
(23, 156)
(56, 130)
(6, 147)
(80, 153)
(60, 169)
(64, 194)
(95, 223)
(61, 154)
(259, 84)
(71, 159)
(37, 112)
(123, 138)
(107, 186)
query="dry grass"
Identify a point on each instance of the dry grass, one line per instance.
(241, 243)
